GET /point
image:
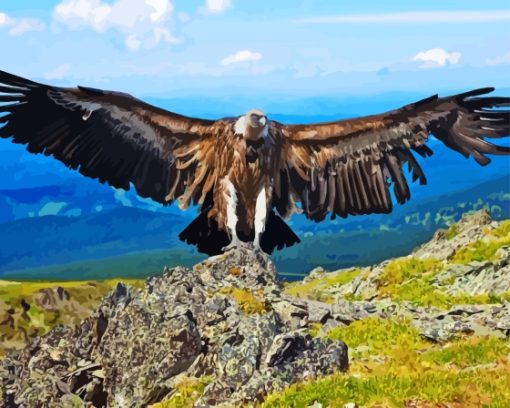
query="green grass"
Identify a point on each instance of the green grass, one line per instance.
(397, 366)
(452, 232)
(485, 249)
(390, 389)
(380, 335)
(469, 352)
(402, 269)
(317, 289)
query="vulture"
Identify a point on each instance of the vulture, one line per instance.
(247, 174)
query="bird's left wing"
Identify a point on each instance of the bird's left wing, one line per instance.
(346, 167)
(112, 137)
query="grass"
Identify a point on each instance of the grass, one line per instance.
(317, 289)
(485, 249)
(397, 366)
(452, 232)
(410, 279)
(389, 389)
(402, 269)
(379, 335)
(469, 351)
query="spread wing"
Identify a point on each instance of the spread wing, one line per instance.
(347, 167)
(112, 137)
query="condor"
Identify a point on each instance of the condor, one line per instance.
(246, 173)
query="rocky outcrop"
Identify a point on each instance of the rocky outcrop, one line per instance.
(229, 323)
(488, 276)
(226, 319)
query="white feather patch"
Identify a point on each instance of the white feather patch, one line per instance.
(231, 207)
(260, 213)
(240, 126)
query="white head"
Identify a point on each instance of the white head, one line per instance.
(252, 125)
(256, 118)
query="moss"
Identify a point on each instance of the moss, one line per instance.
(399, 270)
(502, 230)
(314, 328)
(485, 249)
(480, 250)
(187, 392)
(452, 232)
(317, 289)
(439, 387)
(380, 335)
(469, 351)
(409, 369)
(249, 302)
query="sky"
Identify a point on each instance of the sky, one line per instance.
(284, 49)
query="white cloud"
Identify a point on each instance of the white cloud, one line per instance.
(58, 73)
(18, 26)
(24, 25)
(3, 19)
(437, 57)
(241, 56)
(132, 42)
(414, 17)
(502, 59)
(143, 23)
(217, 6)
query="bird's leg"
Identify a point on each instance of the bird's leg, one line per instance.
(235, 243)
(260, 218)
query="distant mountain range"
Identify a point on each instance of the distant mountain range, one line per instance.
(57, 224)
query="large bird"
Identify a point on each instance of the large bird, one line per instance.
(248, 172)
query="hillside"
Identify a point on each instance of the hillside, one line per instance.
(428, 329)
(125, 239)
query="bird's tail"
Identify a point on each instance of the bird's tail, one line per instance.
(277, 234)
(203, 232)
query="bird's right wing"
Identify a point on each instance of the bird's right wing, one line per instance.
(347, 166)
(112, 137)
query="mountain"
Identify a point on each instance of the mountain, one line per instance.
(52, 239)
(124, 242)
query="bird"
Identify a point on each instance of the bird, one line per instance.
(247, 174)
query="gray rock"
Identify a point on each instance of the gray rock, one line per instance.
(138, 343)
(470, 228)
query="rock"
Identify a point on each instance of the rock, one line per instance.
(138, 343)
(316, 273)
(470, 228)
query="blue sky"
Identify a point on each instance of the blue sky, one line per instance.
(288, 48)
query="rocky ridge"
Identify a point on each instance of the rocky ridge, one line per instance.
(225, 319)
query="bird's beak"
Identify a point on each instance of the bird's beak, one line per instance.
(262, 121)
